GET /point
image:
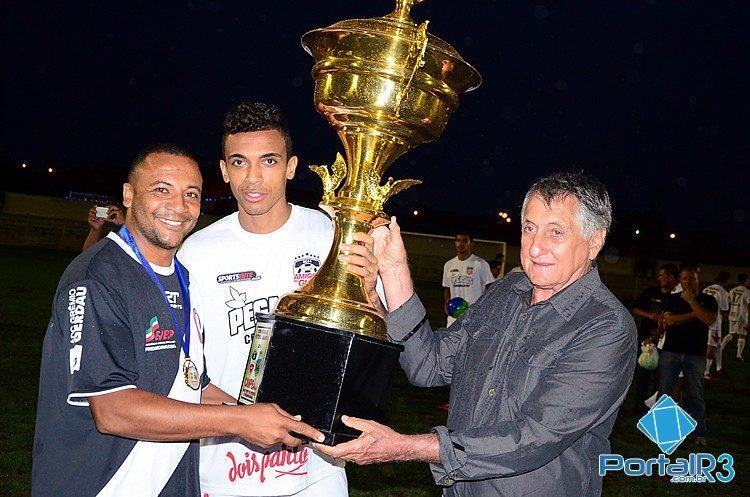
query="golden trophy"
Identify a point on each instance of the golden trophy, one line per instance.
(386, 85)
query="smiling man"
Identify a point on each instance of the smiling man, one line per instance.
(122, 371)
(538, 366)
(242, 264)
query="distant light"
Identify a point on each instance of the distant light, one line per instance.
(503, 214)
(673, 235)
(50, 170)
(23, 166)
(416, 212)
(637, 231)
(507, 219)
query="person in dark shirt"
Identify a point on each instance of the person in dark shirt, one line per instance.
(649, 307)
(687, 316)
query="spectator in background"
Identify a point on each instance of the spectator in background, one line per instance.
(115, 216)
(648, 308)
(496, 267)
(739, 310)
(466, 275)
(687, 315)
(719, 292)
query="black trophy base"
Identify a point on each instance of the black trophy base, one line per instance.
(323, 373)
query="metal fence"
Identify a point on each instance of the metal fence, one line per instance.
(37, 231)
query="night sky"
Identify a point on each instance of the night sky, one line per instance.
(649, 96)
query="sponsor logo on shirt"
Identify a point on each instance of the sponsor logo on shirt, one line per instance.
(304, 268)
(243, 312)
(237, 277)
(469, 271)
(279, 463)
(172, 299)
(460, 281)
(76, 312)
(157, 338)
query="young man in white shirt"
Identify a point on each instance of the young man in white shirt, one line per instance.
(466, 275)
(718, 291)
(242, 264)
(739, 309)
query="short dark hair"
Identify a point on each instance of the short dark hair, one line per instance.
(594, 204)
(466, 234)
(495, 263)
(690, 267)
(256, 116)
(670, 269)
(158, 148)
(723, 277)
(742, 277)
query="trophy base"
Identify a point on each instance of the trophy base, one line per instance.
(323, 373)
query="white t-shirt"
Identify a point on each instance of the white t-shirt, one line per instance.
(739, 297)
(240, 274)
(466, 279)
(722, 298)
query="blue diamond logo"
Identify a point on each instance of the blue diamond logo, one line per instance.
(667, 424)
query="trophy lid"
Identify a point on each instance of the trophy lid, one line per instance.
(397, 25)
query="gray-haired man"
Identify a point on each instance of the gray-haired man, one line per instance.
(538, 366)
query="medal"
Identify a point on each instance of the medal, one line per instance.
(192, 378)
(189, 370)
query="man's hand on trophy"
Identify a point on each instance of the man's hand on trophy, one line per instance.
(392, 264)
(389, 247)
(266, 425)
(360, 260)
(377, 443)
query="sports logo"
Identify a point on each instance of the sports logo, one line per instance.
(172, 299)
(469, 270)
(157, 338)
(237, 277)
(242, 312)
(304, 268)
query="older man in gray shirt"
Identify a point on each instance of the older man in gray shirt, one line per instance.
(538, 366)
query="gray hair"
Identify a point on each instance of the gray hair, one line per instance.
(594, 205)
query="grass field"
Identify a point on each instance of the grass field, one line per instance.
(28, 278)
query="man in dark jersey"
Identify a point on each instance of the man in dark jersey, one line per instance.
(122, 377)
(687, 316)
(649, 307)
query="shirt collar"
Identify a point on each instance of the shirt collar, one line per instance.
(571, 298)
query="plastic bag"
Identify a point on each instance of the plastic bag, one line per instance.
(649, 358)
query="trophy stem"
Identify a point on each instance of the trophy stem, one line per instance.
(335, 297)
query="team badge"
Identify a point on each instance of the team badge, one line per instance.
(469, 271)
(305, 267)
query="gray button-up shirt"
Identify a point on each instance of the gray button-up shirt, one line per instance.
(535, 389)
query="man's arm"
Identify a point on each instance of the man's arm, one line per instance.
(446, 298)
(144, 415)
(595, 372)
(213, 395)
(706, 316)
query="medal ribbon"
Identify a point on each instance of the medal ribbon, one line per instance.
(184, 337)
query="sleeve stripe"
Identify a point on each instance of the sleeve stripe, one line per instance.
(84, 403)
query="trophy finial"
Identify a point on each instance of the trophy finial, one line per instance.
(402, 9)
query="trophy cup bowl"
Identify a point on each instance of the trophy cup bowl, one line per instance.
(385, 85)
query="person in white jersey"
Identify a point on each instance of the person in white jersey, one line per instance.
(718, 291)
(739, 309)
(466, 275)
(242, 264)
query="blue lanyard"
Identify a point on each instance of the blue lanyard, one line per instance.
(184, 338)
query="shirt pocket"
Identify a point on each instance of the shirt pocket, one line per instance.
(528, 368)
